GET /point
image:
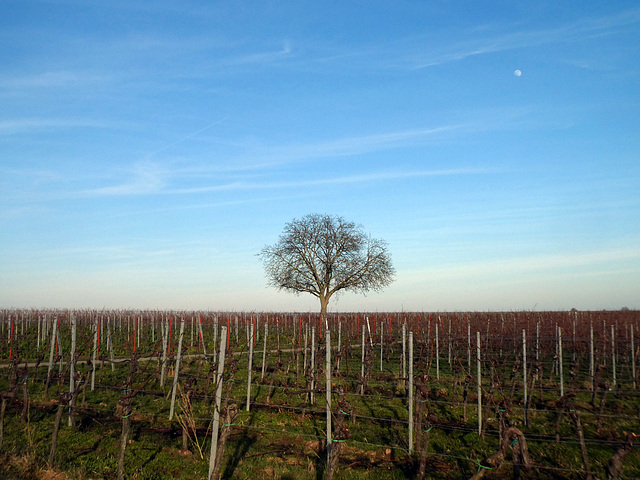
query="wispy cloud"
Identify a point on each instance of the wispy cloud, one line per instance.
(149, 176)
(52, 79)
(354, 145)
(529, 265)
(578, 30)
(27, 125)
(145, 178)
(156, 182)
(262, 58)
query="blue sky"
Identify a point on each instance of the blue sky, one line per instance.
(149, 150)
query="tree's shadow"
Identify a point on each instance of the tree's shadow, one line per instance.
(319, 462)
(243, 446)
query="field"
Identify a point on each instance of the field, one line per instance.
(147, 394)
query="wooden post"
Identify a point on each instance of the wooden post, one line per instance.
(164, 328)
(479, 383)
(613, 355)
(313, 365)
(449, 342)
(560, 361)
(53, 345)
(93, 354)
(110, 344)
(328, 373)
(362, 365)
(264, 349)
(437, 352)
(381, 342)
(469, 346)
(250, 366)
(524, 364)
(216, 412)
(404, 351)
(72, 366)
(174, 390)
(410, 393)
(215, 335)
(339, 344)
(204, 345)
(633, 360)
(592, 369)
(306, 344)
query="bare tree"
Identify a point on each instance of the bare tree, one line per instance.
(325, 254)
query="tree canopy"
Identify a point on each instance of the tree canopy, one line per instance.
(326, 254)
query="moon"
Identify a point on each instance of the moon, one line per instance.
(518, 73)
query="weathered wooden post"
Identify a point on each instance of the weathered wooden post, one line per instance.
(560, 361)
(164, 328)
(592, 370)
(52, 348)
(204, 345)
(110, 344)
(633, 360)
(449, 343)
(216, 413)
(404, 350)
(613, 355)
(72, 367)
(264, 349)
(313, 366)
(410, 393)
(381, 342)
(328, 373)
(524, 364)
(362, 365)
(94, 353)
(437, 353)
(479, 383)
(469, 345)
(249, 366)
(174, 390)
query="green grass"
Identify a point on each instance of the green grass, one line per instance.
(283, 436)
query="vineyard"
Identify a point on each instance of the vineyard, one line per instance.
(195, 395)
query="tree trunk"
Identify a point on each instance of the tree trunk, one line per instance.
(324, 301)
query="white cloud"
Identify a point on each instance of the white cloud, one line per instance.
(27, 125)
(578, 30)
(524, 267)
(53, 79)
(147, 178)
(262, 58)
